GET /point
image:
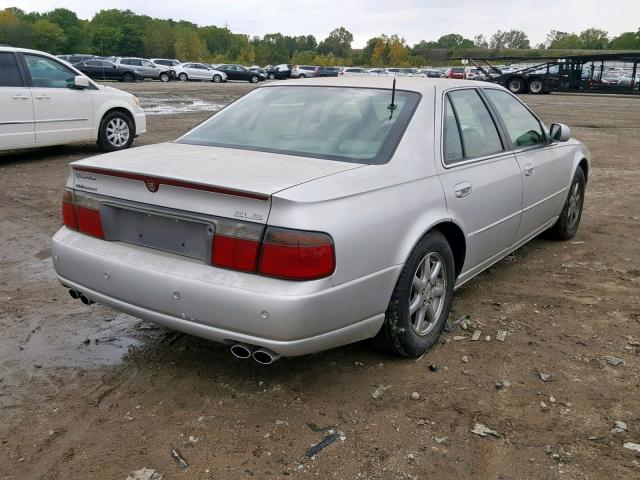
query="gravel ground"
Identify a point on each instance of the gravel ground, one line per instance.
(86, 392)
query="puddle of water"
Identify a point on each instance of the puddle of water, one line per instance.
(174, 105)
(88, 344)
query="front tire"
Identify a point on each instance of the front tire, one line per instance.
(164, 77)
(128, 77)
(116, 132)
(421, 300)
(271, 76)
(217, 79)
(254, 79)
(569, 220)
(183, 77)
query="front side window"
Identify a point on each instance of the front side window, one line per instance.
(349, 124)
(9, 73)
(48, 73)
(523, 128)
(480, 136)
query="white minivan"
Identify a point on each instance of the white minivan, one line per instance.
(45, 101)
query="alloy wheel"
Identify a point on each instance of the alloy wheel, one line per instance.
(118, 132)
(573, 212)
(427, 298)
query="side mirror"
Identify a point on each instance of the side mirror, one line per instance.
(81, 82)
(559, 132)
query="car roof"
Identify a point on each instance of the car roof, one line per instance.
(416, 84)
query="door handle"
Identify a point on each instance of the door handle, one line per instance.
(20, 97)
(528, 169)
(463, 189)
(43, 97)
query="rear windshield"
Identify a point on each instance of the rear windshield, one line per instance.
(335, 123)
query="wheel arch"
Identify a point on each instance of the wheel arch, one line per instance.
(584, 165)
(121, 110)
(454, 236)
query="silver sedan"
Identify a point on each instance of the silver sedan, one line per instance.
(317, 213)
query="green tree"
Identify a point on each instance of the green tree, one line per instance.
(594, 39)
(338, 42)
(14, 30)
(189, 46)
(106, 40)
(453, 40)
(379, 56)
(48, 36)
(480, 41)
(398, 52)
(626, 41)
(562, 40)
(303, 57)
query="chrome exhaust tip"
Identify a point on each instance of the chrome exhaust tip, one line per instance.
(86, 300)
(242, 350)
(74, 294)
(265, 357)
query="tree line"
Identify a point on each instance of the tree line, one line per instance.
(125, 33)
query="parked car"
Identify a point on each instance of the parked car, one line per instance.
(353, 72)
(327, 71)
(457, 72)
(432, 73)
(303, 71)
(273, 225)
(239, 72)
(198, 71)
(105, 70)
(279, 72)
(377, 71)
(75, 58)
(146, 68)
(45, 101)
(166, 62)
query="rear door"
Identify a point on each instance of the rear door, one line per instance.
(94, 69)
(16, 106)
(62, 113)
(480, 177)
(546, 167)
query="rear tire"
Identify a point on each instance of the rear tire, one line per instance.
(515, 85)
(421, 300)
(536, 86)
(183, 77)
(116, 132)
(128, 77)
(569, 220)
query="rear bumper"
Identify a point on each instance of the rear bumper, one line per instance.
(290, 318)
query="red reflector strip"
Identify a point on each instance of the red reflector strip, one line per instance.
(68, 215)
(235, 253)
(157, 181)
(295, 262)
(88, 221)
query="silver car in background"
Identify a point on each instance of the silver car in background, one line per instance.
(281, 235)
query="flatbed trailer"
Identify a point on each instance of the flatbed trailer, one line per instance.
(578, 73)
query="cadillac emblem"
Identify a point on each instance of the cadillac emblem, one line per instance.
(152, 186)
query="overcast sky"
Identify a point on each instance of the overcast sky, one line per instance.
(412, 19)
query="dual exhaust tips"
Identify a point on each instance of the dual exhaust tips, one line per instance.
(76, 295)
(261, 355)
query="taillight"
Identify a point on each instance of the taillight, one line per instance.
(235, 253)
(296, 255)
(84, 218)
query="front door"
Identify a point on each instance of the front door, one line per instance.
(62, 113)
(546, 167)
(16, 106)
(481, 179)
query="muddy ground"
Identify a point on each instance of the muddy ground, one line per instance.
(86, 392)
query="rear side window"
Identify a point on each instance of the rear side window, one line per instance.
(452, 143)
(9, 74)
(479, 133)
(523, 128)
